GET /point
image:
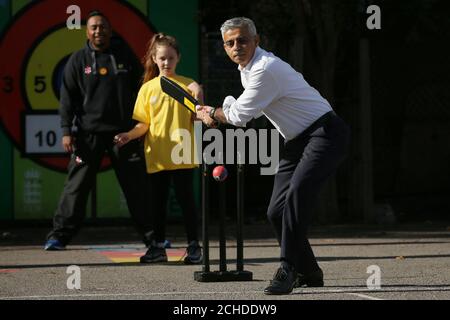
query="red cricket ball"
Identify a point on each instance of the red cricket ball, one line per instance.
(220, 173)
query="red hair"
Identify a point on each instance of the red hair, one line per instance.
(150, 68)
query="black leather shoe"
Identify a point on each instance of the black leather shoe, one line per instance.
(154, 254)
(314, 279)
(283, 281)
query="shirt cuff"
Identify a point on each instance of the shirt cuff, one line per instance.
(227, 102)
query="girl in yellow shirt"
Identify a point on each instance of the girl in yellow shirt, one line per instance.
(160, 118)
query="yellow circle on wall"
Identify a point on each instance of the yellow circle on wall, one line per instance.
(41, 65)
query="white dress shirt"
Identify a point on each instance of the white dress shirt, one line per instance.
(275, 89)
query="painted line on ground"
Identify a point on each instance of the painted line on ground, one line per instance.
(352, 291)
(363, 296)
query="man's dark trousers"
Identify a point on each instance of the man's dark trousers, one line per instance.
(129, 166)
(307, 162)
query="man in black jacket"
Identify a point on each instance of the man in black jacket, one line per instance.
(97, 98)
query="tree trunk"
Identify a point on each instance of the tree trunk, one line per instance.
(361, 188)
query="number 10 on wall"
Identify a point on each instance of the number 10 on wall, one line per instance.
(42, 134)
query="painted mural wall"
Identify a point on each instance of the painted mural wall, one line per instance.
(35, 44)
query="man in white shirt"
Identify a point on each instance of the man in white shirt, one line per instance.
(316, 141)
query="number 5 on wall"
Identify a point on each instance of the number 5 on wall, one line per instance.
(39, 84)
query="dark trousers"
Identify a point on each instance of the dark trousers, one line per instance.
(307, 162)
(129, 167)
(159, 184)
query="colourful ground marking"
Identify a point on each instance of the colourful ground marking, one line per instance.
(121, 255)
(8, 270)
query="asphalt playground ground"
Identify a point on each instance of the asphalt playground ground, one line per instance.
(412, 264)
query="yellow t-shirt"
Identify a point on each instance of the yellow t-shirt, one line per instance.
(165, 145)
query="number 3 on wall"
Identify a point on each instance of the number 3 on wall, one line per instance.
(8, 84)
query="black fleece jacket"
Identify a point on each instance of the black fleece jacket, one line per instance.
(99, 89)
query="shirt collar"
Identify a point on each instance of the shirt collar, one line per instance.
(91, 48)
(258, 52)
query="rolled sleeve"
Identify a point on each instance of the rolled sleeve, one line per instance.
(261, 90)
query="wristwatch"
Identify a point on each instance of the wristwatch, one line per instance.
(212, 112)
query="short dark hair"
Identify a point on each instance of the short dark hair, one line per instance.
(95, 13)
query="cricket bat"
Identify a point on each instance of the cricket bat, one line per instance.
(179, 94)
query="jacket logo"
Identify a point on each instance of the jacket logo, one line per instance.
(87, 70)
(103, 71)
